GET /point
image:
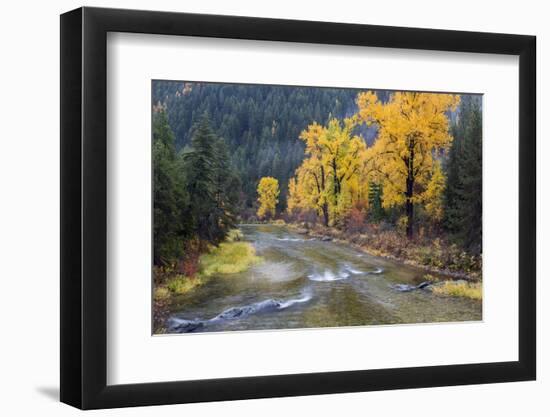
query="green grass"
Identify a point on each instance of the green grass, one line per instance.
(180, 284)
(460, 289)
(229, 258)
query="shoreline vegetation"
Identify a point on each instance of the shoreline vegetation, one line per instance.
(462, 270)
(432, 255)
(230, 257)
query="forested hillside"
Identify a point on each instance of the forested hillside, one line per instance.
(260, 124)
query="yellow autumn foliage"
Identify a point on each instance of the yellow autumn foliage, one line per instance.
(328, 180)
(433, 196)
(268, 197)
(412, 129)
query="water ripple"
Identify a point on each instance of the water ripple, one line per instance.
(180, 325)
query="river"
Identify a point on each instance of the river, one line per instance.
(305, 283)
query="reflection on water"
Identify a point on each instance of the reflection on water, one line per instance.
(306, 282)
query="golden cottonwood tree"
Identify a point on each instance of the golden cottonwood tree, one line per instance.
(433, 196)
(268, 197)
(327, 179)
(412, 128)
(307, 190)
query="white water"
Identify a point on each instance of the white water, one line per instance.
(234, 313)
(328, 276)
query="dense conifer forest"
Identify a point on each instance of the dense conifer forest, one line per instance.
(260, 124)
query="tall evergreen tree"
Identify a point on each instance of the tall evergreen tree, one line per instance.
(167, 195)
(227, 188)
(206, 206)
(463, 192)
(376, 211)
(472, 183)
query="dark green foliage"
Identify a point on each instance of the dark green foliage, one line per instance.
(168, 193)
(376, 211)
(227, 185)
(259, 123)
(463, 193)
(210, 207)
(196, 193)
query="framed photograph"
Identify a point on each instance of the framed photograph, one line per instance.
(257, 208)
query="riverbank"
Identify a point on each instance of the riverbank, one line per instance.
(312, 283)
(433, 255)
(230, 257)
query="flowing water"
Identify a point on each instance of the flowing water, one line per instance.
(304, 282)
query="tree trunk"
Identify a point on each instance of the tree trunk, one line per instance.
(409, 207)
(410, 218)
(325, 204)
(336, 182)
(325, 214)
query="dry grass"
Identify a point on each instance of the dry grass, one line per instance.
(459, 289)
(229, 258)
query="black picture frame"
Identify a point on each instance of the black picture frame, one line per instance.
(84, 207)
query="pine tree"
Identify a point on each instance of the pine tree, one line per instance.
(167, 194)
(200, 165)
(463, 192)
(227, 188)
(452, 196)
(376, 210)
(472, 184)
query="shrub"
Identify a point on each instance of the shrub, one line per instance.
(402, 224)
(162, 273)
(161, 294)
(235, 235)
(430, 278)
(189, 266)
(307, 216)
(180, 284)
(355, 221)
